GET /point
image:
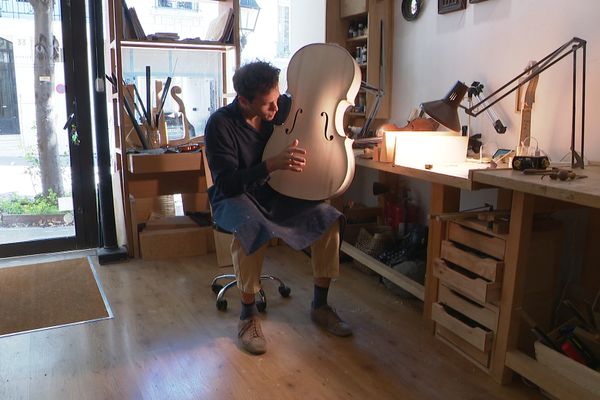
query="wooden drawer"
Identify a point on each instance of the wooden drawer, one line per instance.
(486, 315)
(461, 346)
(475, 288)
(490, 245)
(476, 336)
(486, 267)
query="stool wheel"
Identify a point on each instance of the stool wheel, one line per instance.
(222, 305)
(284, 291)
(216, 288)
(261, 305)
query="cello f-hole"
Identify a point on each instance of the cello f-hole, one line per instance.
(289, 131)
(324, 114)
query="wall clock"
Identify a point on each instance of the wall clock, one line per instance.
(411, 9)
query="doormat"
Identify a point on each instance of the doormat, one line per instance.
(49, 295)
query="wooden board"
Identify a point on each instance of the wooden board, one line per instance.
(584, 192)
(570, 369)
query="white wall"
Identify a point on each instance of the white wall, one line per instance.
(492, 42)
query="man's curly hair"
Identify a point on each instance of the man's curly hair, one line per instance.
(255, 78)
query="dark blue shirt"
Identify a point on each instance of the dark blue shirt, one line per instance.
(241, 199)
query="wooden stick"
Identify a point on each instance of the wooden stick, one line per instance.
(148, 100)
(467, 214)
(163, 98)
(136, 126)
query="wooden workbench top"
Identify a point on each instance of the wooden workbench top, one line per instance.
(457, 175)
(585, 192)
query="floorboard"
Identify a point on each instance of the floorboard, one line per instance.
(168, 341)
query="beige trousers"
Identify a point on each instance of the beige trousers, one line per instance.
(325, 260)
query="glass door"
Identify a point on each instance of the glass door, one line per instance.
(47, 185)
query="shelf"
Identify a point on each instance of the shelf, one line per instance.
(168, 45)
(413, 287)
(362, 38)
(168, 162)
(552, 382)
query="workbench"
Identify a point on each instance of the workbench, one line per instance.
(523, 195)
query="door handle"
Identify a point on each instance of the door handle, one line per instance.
(71, 125)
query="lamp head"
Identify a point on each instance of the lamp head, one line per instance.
(445, 111)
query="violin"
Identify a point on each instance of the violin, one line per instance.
(323, 81)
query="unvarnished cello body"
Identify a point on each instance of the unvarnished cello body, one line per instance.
(323, 80)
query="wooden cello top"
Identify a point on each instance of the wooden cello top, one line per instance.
(323, 80)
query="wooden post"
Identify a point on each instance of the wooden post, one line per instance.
(513, 289)
(443, 199)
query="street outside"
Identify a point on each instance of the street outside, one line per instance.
(14, 178)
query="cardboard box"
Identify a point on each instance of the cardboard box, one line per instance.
(163, 244)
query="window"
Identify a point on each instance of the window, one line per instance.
(178, 5)
(283, 31)
(9, 111)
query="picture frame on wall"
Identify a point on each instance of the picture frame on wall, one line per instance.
(447, 6)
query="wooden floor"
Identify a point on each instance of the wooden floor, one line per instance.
(168, 341)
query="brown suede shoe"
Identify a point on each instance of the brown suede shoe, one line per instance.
(250, 336)
(327, 318)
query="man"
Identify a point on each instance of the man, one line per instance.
(244, 204)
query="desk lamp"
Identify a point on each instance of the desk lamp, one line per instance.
(445, 111)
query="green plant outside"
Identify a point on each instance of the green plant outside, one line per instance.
(39, 204)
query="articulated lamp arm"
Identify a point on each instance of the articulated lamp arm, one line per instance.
(535, 69)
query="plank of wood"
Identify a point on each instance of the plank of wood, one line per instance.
(411, 286)
(443, 199)
(513, 284)
(552, 382)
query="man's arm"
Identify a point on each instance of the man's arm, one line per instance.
(222, 154)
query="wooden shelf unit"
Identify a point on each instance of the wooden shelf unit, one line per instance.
(377, 16)
(152, 174)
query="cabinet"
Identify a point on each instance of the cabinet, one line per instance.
(469, 272)
(365, 29)
(202, 69)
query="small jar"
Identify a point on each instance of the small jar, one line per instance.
(153, 137)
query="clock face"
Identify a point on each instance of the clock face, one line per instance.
(411, 9)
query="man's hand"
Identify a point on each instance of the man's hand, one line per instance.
(291, 159)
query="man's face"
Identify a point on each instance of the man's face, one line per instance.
(264, 105)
